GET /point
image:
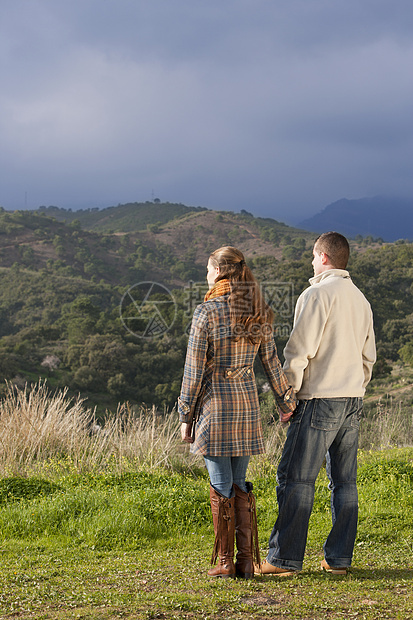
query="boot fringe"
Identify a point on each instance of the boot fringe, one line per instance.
(223, 518)
(254, 529)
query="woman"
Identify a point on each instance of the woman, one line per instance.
(219, 400)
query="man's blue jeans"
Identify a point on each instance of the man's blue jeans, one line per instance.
(320, 428)
(224, 471)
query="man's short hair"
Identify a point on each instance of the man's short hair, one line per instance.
(335, 246)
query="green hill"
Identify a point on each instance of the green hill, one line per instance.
(172, 251)
(123, 218)
(70, 296)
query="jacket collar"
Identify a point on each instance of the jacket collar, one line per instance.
(331, 273)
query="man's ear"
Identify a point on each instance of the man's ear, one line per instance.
(324, 258)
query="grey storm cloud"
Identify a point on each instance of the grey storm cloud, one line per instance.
(266, 105)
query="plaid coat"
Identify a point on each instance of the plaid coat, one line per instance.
(219, 391)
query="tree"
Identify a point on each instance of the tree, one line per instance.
(81, 319)
(406, 353)
(86, 378)
(51, 362)
(117, 385)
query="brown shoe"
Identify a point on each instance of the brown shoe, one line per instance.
(224, 526)
(268, 569)
(333, 570)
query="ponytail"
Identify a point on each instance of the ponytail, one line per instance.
(251, 317)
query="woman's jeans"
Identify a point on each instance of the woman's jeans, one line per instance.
(320, 428)
(224, 471)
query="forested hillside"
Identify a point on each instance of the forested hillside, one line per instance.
(171, 253)
(74, 310)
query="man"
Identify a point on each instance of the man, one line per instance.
(328, 360)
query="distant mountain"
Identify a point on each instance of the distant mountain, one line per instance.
(385, 217)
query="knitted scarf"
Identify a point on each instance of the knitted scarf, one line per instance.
(222, 287)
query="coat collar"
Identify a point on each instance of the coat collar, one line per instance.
(330, 273)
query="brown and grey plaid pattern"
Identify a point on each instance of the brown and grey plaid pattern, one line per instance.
(219, 389)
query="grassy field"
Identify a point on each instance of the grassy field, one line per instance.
(137, 545)
(115, 522)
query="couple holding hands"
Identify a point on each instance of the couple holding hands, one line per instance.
(328, 362)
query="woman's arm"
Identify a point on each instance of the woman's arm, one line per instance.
(194, 365)
(283, 392)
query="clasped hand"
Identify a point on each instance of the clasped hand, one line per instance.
(186, 432)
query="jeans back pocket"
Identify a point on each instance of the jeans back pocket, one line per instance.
(328, 413)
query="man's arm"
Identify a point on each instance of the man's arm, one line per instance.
(369, 354)
(309, 320)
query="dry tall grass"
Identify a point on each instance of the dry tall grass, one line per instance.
(39, 427)
(390, 426)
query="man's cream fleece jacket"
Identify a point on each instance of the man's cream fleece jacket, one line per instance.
(331, 350)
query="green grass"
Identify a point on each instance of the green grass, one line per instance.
(137, 546)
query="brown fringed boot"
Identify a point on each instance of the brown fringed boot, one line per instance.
(246, 532)
(224, 527)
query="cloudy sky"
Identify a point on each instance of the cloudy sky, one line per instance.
(279, 107)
